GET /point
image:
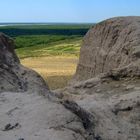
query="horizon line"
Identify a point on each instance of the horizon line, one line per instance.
(47, 22)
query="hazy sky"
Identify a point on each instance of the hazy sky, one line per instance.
(66, 10)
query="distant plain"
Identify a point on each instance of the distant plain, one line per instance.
(51, 50)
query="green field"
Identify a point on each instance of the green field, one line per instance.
(51, 50)
(47, 45)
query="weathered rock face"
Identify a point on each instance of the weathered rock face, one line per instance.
(13, 76)
(110, 62)
(7, 54)
(111, 44)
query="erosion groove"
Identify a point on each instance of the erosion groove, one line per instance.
(86, 117)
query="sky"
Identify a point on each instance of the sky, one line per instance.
(74, 11)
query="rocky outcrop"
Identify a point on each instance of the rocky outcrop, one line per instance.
(14, 76)
(107, 81)
(106, 106)
(111, 44)
(111, 103)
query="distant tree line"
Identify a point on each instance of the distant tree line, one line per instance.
(16, 32)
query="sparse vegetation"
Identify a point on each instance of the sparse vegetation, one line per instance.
(56, 70)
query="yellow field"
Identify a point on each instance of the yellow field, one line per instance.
(56, 70)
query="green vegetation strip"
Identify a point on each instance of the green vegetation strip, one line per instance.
(47, 45)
